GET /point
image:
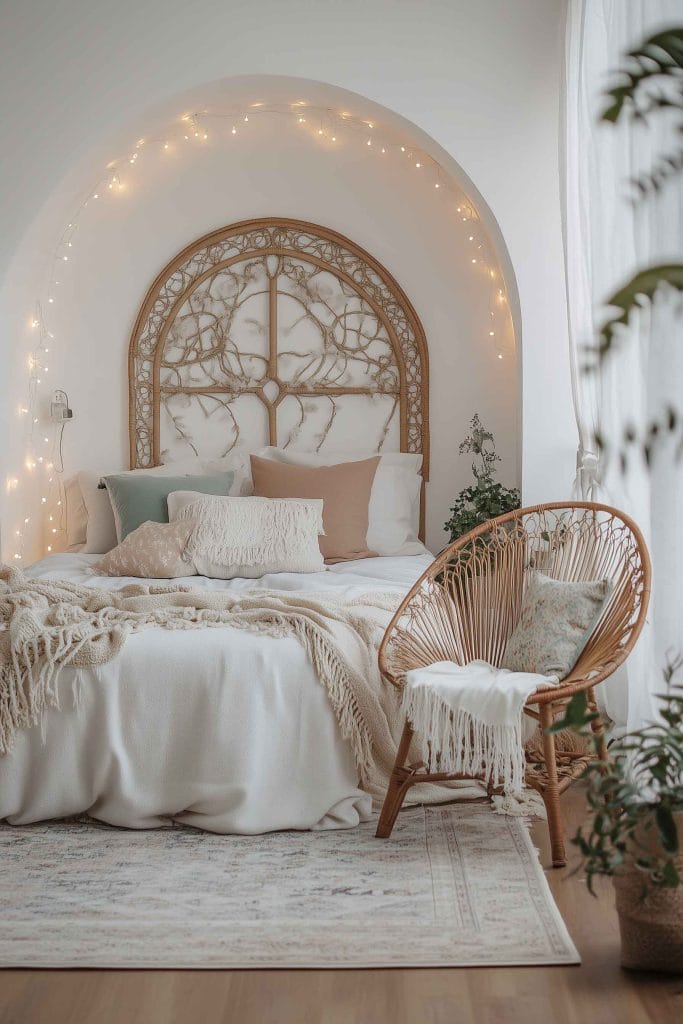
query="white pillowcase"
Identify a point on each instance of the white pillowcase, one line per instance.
(236, 462)
(249, 537)
(394, 512)
(76, 514)
(100, 534)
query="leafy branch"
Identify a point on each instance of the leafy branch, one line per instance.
(636, 795)
(651, 81)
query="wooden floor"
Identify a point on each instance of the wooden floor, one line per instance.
(597, 992)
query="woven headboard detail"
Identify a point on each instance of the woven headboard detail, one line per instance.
(276, 331)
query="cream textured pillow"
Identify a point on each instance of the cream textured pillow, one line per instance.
(556, 620)
(249, 537)
(153, 551)
(394, 510)
(345, 490)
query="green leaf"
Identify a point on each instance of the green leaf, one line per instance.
(631, 296)
(670, 876)
(667, 828)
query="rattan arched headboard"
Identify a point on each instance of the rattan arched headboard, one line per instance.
(276, 331)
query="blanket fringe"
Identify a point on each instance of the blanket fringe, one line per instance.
(458, 743)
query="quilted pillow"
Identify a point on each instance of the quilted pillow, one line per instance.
(556, 620)
(249, 537)
(153, 551)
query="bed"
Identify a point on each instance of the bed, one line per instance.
(269, 332)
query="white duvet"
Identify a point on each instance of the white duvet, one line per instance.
(215, 728)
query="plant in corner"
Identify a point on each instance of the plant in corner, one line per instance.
(636, 813)
(485, 498)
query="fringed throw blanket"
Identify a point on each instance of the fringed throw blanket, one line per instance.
(469, 718)
(46, 625)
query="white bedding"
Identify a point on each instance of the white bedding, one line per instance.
(215, 728)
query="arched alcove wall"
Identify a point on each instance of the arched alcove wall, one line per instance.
(172, 195)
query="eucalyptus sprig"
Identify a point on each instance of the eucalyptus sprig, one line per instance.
(485, 498)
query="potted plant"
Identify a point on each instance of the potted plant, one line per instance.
(485, 498)
(634, 831)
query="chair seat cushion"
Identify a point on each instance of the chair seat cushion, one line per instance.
(556, 621)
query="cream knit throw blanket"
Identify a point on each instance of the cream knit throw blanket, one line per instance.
(46, 625)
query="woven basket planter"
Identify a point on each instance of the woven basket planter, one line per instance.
(651, 928)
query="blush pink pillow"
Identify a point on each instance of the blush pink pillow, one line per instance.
(345, 490)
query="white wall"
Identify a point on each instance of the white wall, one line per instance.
(480, 78)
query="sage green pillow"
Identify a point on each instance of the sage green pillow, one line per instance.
(140, 499)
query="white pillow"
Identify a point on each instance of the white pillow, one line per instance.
(237, 462)
(100, 535)
(76, 514)
(394, 511)
(250, 537)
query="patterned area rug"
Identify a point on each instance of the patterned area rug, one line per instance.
(454, 886)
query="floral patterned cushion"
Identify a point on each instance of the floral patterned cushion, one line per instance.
(556, 620)
(153, 551)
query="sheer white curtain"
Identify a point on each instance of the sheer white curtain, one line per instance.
(608, 237)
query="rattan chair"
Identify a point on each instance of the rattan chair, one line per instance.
(467, 603)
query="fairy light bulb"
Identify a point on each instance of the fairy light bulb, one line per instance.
(246, 118)
(418, 165)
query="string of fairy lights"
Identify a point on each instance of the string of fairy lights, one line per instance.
(42, 437)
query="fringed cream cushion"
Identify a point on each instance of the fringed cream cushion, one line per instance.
(250, 537)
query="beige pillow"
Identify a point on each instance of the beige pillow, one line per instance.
(154, 551)
(345, 490)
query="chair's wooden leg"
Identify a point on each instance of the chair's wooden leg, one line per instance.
(551, 793)
(598, 727)
(397, 789)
